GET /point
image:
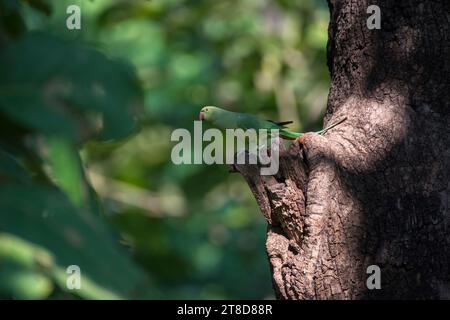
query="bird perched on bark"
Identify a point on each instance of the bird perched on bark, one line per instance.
(225, 119)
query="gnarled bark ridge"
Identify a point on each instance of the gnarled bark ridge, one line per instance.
(376, 189)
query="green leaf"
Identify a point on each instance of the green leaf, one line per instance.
(43, 216)
(73, 91)
(66, 167)
(23, 268)
(22, 283)
(24, 253)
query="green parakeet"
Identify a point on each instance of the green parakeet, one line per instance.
(225, 119)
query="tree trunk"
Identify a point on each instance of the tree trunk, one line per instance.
(376, 189)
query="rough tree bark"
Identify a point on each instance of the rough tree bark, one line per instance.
(376, 189)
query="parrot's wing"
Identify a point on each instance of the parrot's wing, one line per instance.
(248, 121)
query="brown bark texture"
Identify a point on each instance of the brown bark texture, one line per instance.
(374, 190)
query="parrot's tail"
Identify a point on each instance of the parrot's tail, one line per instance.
(291, 135)
(323, 131)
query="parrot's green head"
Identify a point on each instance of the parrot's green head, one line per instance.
(209, 113)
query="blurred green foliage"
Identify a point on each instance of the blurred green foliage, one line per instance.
(86, 117)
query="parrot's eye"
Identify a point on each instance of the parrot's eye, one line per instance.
(206, 110)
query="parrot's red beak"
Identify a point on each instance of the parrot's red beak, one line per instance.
(201, 116)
